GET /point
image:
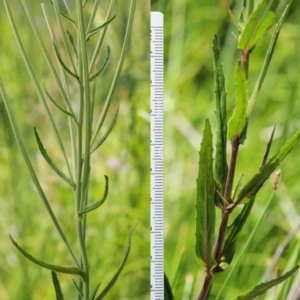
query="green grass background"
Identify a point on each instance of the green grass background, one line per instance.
(124, 158)
(189, 99)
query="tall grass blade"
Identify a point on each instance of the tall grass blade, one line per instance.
(205, 207)
(267, 61)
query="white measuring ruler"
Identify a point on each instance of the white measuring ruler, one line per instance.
(156, 157)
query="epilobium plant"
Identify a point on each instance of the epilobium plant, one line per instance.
(216, 193)
(75, 71)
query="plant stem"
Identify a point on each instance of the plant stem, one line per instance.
(227, 197)
(206, 286)
(245, 62)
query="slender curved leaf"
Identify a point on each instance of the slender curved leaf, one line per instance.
(257, 24)
(98, 203)
(106, 134)
(238, 122)
(73, 44)
(220, 166)
(52, 100)
(257, 181)
(59, 269)
(95, 30)
(62, 62)
(94, 293)
(50, 162)
(115, 277)
(263, 287)
(58, 292)
(205, 207)
(267, 61)
(63, 14)
(103, 66)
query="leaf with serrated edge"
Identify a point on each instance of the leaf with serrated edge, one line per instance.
(257, 24)
(115, 277)
(57, 288)
(220, 166)
(205, 207)
(98, 203)
(50, 162)
(253, 186)
(59, 269)
(263, 287)
(238, 121)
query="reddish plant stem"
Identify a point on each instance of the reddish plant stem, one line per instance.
(206, 286)
(227, 197)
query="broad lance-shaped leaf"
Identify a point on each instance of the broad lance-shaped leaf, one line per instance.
(253, 186)
(50, 162)
(258, 23)
(263, 287)
(115, 277)
(237, 125)
(205, 207)
(57, 288)
(98, 203)
(59, 269)
(220, 166)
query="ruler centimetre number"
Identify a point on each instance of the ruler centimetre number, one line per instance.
(156, 157)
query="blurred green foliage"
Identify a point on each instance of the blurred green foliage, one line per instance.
(189, 99)
(124, 158)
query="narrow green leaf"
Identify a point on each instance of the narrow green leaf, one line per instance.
(220, 167)
(63, 14)
(205, 207)
(267, 61)
(94, 293)
(103, 66)
(52, 100)
(58, 292)
(238, 122)
(268, 148)
(98, 203)
(73, 44)
(118, 70)
(257, 181)
(263, 287)
(62, 62)
(168, 295)
(115, 277)
(258, 23)
(78, 289)
(106, 134)
(59, 269)
(95, 30)
(50, 162)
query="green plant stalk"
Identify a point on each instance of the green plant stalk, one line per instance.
(84, 168)
(238, 259)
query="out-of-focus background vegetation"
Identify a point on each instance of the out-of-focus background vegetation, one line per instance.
(124, 158)
(189, 99)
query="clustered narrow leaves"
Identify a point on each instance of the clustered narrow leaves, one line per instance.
(77, 67)
(216, 193)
